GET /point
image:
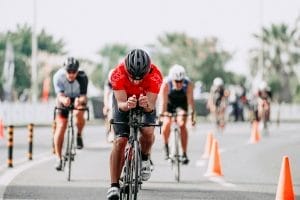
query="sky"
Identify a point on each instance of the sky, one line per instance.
(87, 25)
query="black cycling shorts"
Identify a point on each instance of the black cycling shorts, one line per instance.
(63, 111)
(121, 116)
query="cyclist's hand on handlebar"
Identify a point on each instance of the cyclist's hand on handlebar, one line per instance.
(143, 101)
(131, 102)
(77, 102)
(66, 101)
(80, 102)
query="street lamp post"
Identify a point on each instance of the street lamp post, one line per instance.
(261, 57)
(34, 84)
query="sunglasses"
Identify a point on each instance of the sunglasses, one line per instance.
(71, 71)
(178, 81)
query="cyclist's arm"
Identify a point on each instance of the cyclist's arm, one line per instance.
(81, 101)
(121, 98)
(164, 97)
(190, 99)
(62, 98)
(107, 92)
(151, 101)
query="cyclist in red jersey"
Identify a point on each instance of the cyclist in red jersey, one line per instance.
(136, 83)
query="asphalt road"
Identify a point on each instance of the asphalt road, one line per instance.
(250, 171)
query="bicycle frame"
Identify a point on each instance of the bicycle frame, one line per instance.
(131, 173)
(70, 150)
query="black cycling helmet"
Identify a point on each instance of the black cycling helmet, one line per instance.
(71, 64)
(137, 64)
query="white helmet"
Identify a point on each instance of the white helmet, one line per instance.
(263, 86)
(177, 72)
(218, 82)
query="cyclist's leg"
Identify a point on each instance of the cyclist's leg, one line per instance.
(117, 158)
(117, 152)
(181, 120)
(61, 126)
(146, 141)
(166, 134)
(80, 122)
(147, 133)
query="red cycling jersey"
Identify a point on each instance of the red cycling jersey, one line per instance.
(150, 83)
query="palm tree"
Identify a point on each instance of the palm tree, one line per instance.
(280, 57)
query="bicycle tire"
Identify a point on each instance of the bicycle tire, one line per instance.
(65, 156)
(176, 156)
(137, 163)
(126, 189)
(70, 157)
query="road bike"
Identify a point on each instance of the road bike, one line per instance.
(175, 143)
(69, 150)
(130, 181)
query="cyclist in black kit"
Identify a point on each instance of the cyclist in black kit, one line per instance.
(177, 96)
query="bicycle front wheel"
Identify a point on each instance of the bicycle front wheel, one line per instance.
(126, 183)
(176, 161)
(70, 156)
(136, 170)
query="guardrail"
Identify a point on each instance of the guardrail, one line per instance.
(42, 113)
(26, 113)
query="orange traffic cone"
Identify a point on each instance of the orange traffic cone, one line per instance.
(214, 163)
(255, 136)
(285, 189)
(1, 129)
(207, 150)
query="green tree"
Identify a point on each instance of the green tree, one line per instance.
(21, 41)
(203, 59)
(280, 53)
(110, 55)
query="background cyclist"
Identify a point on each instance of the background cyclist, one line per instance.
(177, 95)
(70, 86)
(264, 103)
(217, 101)
(107, 107)
(135, 82)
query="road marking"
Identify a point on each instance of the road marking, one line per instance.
(10, 174)
(221, 181)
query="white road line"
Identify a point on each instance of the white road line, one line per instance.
(10, 174)
(221, 181)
